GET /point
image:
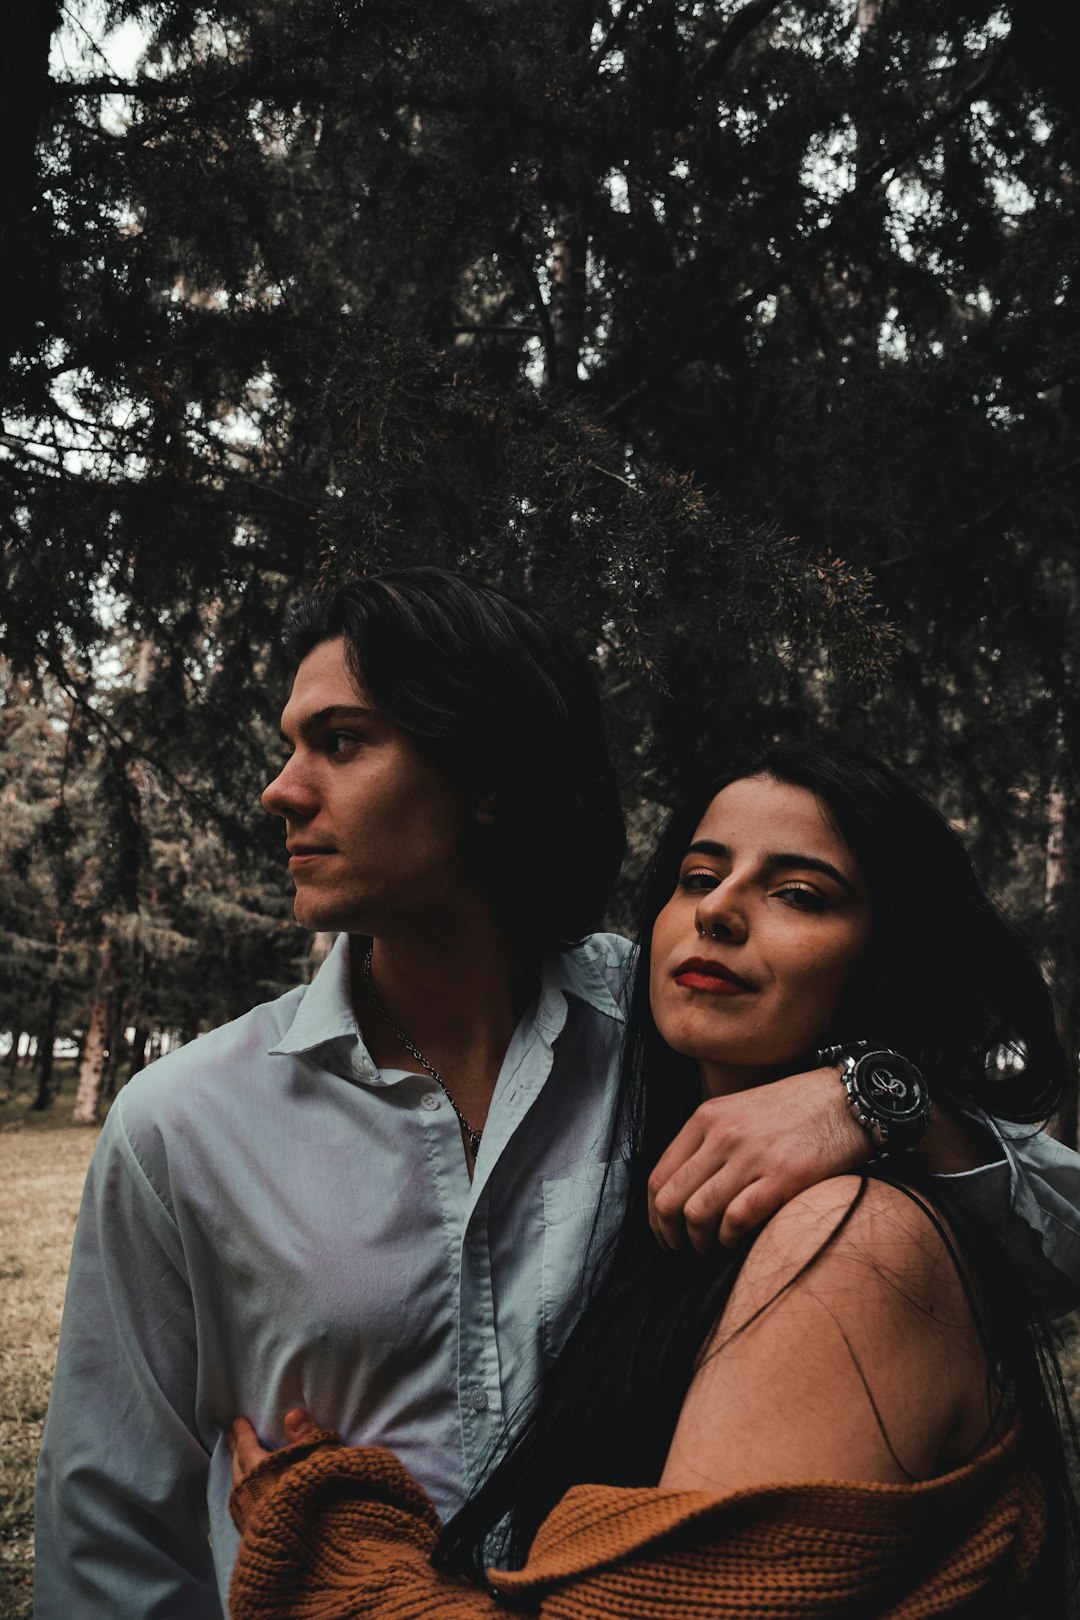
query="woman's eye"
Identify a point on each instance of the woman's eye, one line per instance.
(802, 899)
(698, 882)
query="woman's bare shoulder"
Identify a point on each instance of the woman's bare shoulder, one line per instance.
(853, 1232)
(847, 1350)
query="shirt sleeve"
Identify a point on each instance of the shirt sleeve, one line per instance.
(1030, 1197)
(121, 1519)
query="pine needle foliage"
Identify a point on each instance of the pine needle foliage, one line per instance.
(742, 336)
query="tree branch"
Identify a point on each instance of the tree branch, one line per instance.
(741, 25)
(990, 64)
(109, 85)
(611, 39)
(527, 271)
(505, 331)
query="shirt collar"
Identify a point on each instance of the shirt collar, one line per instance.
(575, 970)
(325, 1012)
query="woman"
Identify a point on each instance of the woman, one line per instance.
(808, 898)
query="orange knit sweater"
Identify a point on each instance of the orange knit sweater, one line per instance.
(332, 1532)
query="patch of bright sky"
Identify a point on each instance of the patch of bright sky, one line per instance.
(909, 202)
(109, 609)
(615, 59)
(892, 338)
(534, 364)
(618, 191)
(83, 48)
(829, 165)
(242, 427)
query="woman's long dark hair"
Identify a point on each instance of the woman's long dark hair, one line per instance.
(947, 982)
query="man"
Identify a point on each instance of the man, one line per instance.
(375, 1197)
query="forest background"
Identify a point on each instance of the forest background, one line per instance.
(742, 337)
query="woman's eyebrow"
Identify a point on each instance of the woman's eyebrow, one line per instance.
(786, 863)
(813, 863)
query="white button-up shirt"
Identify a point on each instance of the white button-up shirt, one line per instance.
(271, 1221)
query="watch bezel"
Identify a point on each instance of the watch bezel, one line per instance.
(891, 1132)
(875, 1098)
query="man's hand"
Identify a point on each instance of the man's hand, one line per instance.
(739, 1158)
(247, 1453)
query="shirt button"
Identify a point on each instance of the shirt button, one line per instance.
(478, 1400)
(430, 1099)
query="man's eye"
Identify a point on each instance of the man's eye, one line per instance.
(339, 742)
(801, 898)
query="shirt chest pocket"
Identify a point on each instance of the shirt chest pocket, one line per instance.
(577, 1226)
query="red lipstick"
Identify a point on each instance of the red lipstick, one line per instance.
(698, 973)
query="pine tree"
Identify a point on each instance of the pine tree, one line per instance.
(711, 327)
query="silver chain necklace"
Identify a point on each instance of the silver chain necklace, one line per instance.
(471, 1136)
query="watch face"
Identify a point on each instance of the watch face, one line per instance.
(890, 1086)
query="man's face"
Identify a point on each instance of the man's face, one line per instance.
(374, 829)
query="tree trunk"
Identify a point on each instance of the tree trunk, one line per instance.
(1064, 959)
(24, 103)
(862, 247)
(116, 1042)
(144, 667)
(92, 1067)
(569, 235)
(8, 1067)
(139, 1046)
(568, 289)
(46, 1087)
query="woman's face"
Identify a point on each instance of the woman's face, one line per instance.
(752, 954)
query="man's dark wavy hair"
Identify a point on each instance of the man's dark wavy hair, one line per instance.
(502, 700)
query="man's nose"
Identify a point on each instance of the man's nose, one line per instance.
(721, 914)
(290, 794)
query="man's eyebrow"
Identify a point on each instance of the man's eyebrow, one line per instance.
(786, 863)
(333, 712)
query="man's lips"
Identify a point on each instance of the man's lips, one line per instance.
(698, 973)
(302, 854)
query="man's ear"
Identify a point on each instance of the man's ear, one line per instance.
(485, 809)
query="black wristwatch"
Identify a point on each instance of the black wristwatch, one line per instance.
(886, 1093)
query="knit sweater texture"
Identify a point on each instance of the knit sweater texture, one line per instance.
(332, 1532)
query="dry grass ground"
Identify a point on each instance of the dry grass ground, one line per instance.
(42, 1165)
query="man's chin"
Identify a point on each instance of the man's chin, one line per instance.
(318, 918)
(323, 914)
